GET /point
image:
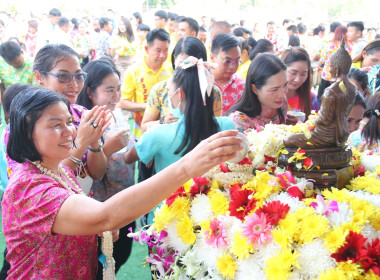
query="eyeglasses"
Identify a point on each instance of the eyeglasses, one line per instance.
(229, 62)
(67, 77)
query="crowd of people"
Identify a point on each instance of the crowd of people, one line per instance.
(69, 87)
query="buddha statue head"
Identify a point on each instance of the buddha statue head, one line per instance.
(340, 62)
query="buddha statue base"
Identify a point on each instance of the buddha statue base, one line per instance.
(331, 166)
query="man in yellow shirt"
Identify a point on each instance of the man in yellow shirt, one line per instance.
(143, 75)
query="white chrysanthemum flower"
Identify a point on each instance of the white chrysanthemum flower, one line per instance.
(313, 258)
(370, 162)
(369, 232)
(285, 198)
(200, 209)
(266, 251)
(249, 269)
(343, 215)
(173, 241)
(371, 198)
(232, 226)
(192, 264)
(207, 254)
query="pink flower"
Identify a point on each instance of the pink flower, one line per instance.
(322, 208)
(256, 229)
(217, 235)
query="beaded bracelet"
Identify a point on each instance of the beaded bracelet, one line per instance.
(75, 160)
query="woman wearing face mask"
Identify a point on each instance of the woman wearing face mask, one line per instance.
(264, 97)
(102, 87)
(157, 110)
(299, 95)
(123, 49)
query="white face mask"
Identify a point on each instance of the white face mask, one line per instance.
(176, 112)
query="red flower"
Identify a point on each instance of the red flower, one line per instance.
(274, 211)
(235, 188)
(286, 179)
(307, 162)
(370, 257)
(301, 151)
(170, 199)
(201, 181)
(224, 167)
(240, 204)
(350, 251)
(246, 160)
(196, 189)
(268, 159)
(294, 191)
(359, 171)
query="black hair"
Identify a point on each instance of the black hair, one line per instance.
(178, 19)
(371, 131)
(138, 16)
(318, 29)
(244, 44)
(290, 56)
(242, 22)
(239, 32)
(129, 30)
(224, 42)
(359, 100)
(103, 21)
(202, 29)
(63, 21)
(360, 76)
(292, 28)
(285, 21)
(334, 25)
(377, 36)
(261, 46)
(96, 71)
(55, 12)
(143, 27)
(301, 28)
(271, 22)
(10, 93)
(172, 16)
(193, 24)
(191, 46)
(50, 55)
(159, 34)
(75, 22)
(161, 14)
(359, 25)
(261, 69)
(200, 122)
(9, 51)
(26, 109)
(33, 23)
(294, 40)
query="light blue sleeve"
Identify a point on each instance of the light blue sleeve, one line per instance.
(225, 123)
(149, 145)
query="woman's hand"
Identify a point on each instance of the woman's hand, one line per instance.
(115, 141)
(92, 126)
(170, 119)
(291, 119)
(210, 152)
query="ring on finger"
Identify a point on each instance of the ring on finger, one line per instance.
(94, 125)
(91, 121)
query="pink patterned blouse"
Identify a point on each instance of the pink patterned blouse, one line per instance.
(243, 122)
(29, 207)
(232, 92)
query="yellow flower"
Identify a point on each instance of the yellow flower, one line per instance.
(374, 219)
(180, 207)
(332, 274)
(370, 275)
(338, 195)
(368, 183)
(282, 237)
(335, 238)
(240, 247)
(313, 226)
(351, 270)
(280, 266)
(205, 225)
(262, 187)
(226, 265)
(215, 184)
(187, 185)
(162, 217)
(218, 202)
(185, 230)
(290, 226)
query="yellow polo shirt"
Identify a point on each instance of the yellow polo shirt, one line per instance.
(138, 82)
(243, 69)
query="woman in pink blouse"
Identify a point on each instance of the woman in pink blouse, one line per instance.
(49, 225)
(264, 97)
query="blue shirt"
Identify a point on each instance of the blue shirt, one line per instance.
(162, 141)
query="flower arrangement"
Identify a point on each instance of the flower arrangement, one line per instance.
(253, 220)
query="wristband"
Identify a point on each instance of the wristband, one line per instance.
(75, 160)
(98, 149)
(162, 120)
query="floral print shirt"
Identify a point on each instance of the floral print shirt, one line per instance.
(123, 46)
(103, 43)
(30, 205)
(158, 100)
(327, 51)
(232, 92)
(10, 75)
(243, 122)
